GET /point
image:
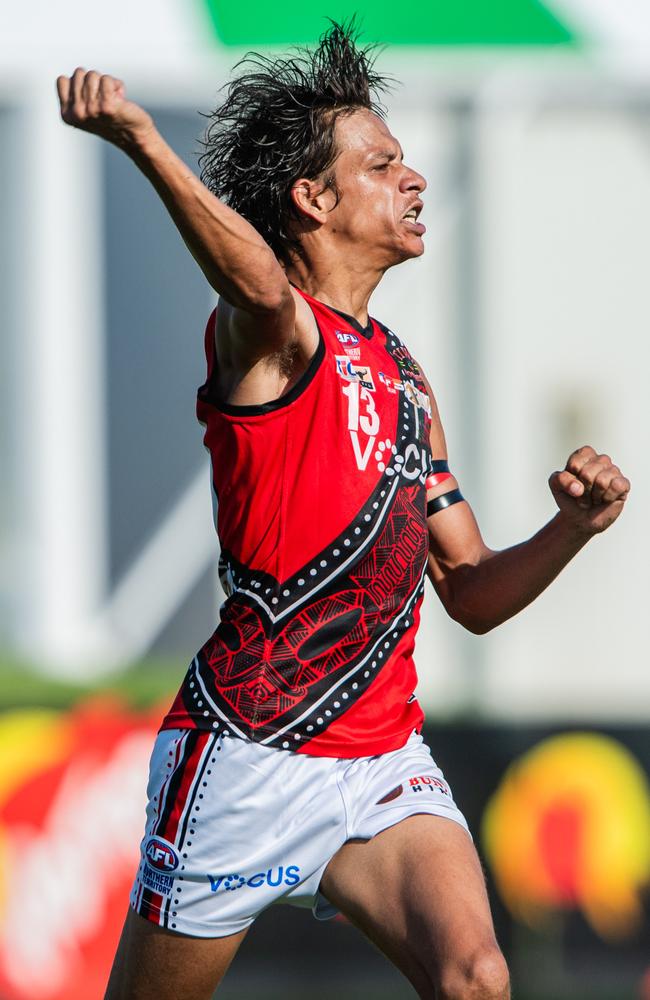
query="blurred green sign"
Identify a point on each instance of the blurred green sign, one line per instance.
(453, 22)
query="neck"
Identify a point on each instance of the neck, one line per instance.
(346, 288)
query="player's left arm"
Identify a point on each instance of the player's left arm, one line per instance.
(481, 588)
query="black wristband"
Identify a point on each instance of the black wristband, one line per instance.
(439, 465)
(444, 500)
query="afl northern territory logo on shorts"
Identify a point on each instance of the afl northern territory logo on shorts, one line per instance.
(161, 861)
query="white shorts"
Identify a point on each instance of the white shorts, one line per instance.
(233, 827)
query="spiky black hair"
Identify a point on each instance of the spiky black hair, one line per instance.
(276, 124)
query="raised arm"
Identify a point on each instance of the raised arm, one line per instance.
(235, 259)
(481, 588)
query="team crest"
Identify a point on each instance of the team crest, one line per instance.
(161, 863)
(346, 338)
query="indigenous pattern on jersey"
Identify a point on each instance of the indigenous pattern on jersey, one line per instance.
(321, 517)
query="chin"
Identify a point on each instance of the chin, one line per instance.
(414, 248)
(403, 250)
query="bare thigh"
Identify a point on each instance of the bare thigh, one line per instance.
(153, 963)
(417, 891)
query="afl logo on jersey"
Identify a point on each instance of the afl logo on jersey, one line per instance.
(161, 855)
(346, 338)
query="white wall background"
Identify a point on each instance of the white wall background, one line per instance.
(565, 243)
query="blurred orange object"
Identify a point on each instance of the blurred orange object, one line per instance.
(569, 828)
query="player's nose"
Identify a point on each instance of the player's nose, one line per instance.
(412, 180)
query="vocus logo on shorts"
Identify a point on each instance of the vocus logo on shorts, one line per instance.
(272, 877)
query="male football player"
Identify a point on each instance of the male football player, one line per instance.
(290, 766)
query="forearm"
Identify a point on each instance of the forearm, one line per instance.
(500, 584)
(235, 259)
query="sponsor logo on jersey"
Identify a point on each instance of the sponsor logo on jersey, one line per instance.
(417, 397)
(392, 384)
(346, 338)
(411, 463)
(353, 352)
(272, 877)
(354, 373)
(411, 391)
(161, 855)
(428, 781)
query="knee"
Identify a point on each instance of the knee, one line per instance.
(483, 976)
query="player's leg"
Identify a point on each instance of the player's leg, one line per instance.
(153, 963)
(417, 891)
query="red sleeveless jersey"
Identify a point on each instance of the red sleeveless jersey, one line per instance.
(321, 517)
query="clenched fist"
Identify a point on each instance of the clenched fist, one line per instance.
(591, 491)
(98, 104)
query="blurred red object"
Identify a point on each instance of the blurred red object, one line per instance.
(72, 805)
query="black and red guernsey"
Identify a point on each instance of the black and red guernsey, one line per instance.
(321, 517)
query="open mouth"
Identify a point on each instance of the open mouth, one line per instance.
(412, 217)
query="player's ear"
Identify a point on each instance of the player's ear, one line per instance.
(312, 199)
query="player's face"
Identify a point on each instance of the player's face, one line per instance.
(380, 199)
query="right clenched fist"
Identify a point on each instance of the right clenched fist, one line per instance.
(98, 104)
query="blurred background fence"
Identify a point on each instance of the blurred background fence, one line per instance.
(530, 312)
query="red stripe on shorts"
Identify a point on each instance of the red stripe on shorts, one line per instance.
(181, 785)
(151, 906)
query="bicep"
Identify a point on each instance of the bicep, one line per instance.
(456, 548)
(455, 541)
